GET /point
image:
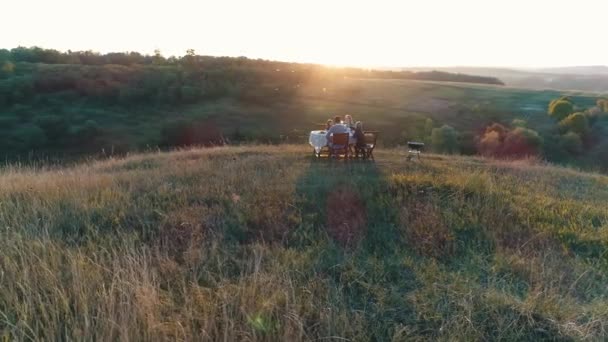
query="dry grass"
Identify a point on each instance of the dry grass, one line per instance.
(245, 243)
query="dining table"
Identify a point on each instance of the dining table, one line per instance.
(318, 139)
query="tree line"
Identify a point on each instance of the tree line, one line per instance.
(578, 137)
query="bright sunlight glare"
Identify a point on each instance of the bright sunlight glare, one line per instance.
(520, 33)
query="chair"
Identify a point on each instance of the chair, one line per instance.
(322, 151)
(339, 145)
(370, 143)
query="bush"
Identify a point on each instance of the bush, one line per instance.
(185, 133)
(55, 127)
(499, 141)
(444, 139)
(519, 123)
(603, 105)
(29, 137)
(522, 142)
(576, 123)
(559, 109)
(571, 142)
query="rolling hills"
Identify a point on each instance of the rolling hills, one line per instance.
(592, 79)
(265, 243)
(74, 104)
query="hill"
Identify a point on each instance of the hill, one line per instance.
(265, 243)
(593, 79)
(578, 70)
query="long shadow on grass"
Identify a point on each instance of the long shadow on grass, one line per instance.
(349, 221)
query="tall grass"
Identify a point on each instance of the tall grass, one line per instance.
(263, 243)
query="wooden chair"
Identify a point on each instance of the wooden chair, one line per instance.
(339, 145)
(370, 143)
(323, 151)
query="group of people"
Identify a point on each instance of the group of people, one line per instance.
(337, 126)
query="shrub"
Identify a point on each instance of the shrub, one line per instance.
(55, 127)
(185, 133)
(559, 109)
(571, 142)
(499, 141)
(7, 68)
(30, 137)
(576, 123)
(603, 105)
(519, 123)
(522, 142)
(444, 139)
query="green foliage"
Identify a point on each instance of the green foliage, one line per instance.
(576, 123)
(133, 99)
(572, 143)
(519, 123)
(7, 68)
(444, 139)
(29, 137)
(524, 136)
(500, 141)
(603, 105)
(428, 127)
(560, 108)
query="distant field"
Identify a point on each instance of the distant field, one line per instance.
(263, 243)
(398, 108)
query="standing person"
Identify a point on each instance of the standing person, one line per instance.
(336, 128)
(329, 124)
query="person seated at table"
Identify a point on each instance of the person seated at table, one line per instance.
(337, 128)
(330, 123)
(360, 136)
(348, 121)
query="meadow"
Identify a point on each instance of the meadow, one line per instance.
(265, 243)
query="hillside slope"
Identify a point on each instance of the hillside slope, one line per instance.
(265, 243)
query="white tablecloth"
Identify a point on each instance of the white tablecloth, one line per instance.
(318, 140)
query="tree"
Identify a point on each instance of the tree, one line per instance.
(576, 123)
(7, 68)
(428, 126)
(445, 139)
(490, 144)
(499, 141)
(29, 137)
(602, 104)
(571, 142)
(519, 123)
(158, 57)
(521, 142)
(560, 108)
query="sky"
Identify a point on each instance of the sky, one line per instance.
(378, 33)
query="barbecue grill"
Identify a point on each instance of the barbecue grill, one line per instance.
(414, 149)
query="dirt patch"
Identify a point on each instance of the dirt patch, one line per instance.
(346, 216)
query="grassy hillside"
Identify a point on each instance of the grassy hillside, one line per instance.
(264, 243)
